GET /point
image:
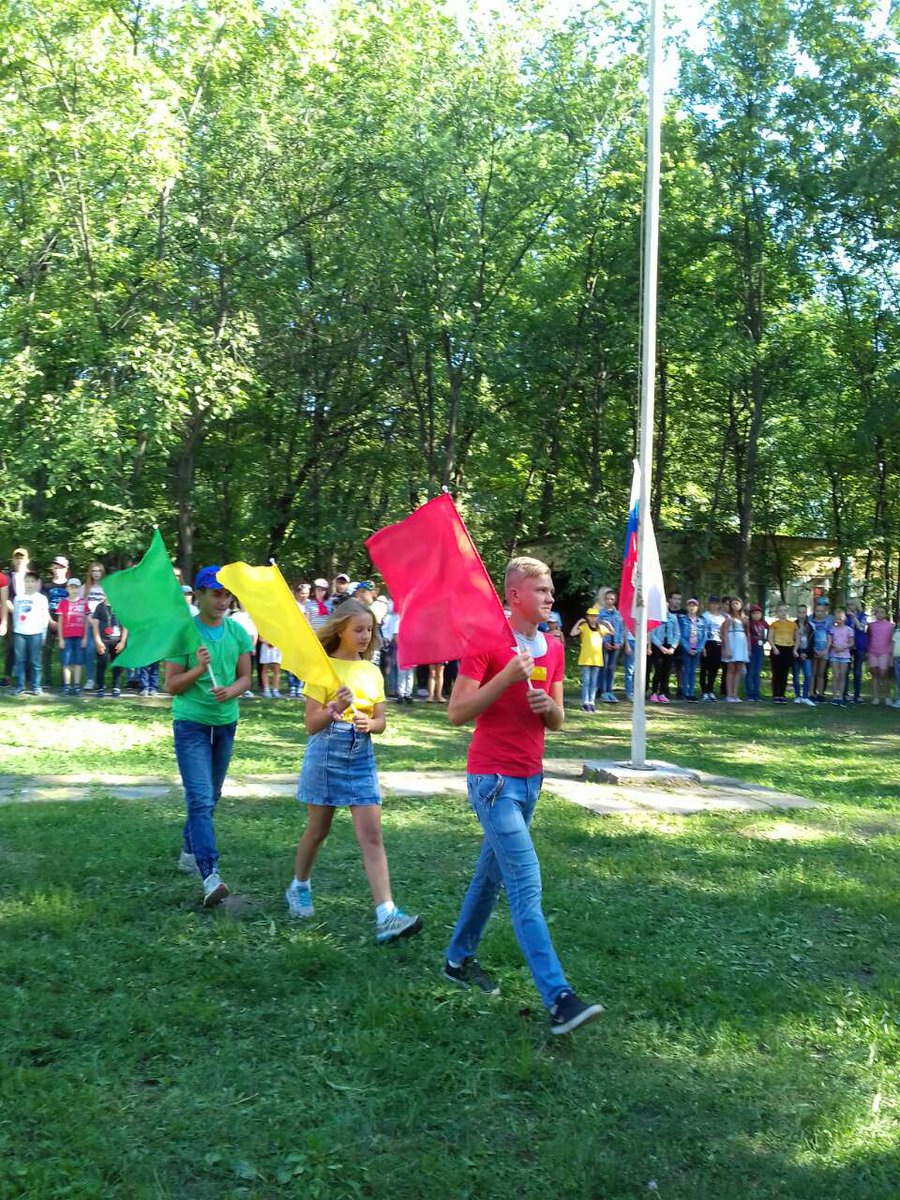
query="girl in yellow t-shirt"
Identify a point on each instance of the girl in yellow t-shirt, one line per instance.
(591, 631)
(339, 766)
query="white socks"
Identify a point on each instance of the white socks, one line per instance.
(383, 911)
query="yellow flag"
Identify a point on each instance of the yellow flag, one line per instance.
(267, 598)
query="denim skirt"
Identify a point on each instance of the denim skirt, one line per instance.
(339, 768)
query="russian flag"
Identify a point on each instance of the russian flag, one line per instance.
(652, 584)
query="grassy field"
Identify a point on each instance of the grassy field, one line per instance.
(749, 964)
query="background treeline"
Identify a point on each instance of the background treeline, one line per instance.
(271, 275)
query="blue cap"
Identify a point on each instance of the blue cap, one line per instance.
(554, 616)
(365, 586)
(208, 577)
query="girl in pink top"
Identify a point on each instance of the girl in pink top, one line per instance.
(840, 643)
(879, 654)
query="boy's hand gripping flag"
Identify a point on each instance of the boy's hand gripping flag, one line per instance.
(148, 600)
(652, 583)
(447, 605)
(267, 598)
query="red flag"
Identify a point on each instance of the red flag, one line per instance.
(442, 593)
(654, 591)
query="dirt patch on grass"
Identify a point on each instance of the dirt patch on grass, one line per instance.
(786, 831)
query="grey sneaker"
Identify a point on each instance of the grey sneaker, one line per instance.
(398, 925)
(471, 974)
(188, 864)
(299, 900)
(214, 890)
(569, 1012)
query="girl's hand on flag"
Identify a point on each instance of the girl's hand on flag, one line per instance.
(203, 657)
(342, 700)
(362, 723)
(220, 693)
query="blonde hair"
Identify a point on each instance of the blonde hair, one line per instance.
(332, 630)
(523, 568)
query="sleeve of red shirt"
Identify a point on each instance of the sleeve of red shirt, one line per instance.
(474, 666)
(4, 580)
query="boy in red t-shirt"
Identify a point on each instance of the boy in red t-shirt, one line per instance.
(513, 700)
(72, 630)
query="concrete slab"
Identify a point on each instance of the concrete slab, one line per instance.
(422, 783)
(239, 789)
(691, 800)
(597, 797)
(140, 793)
(31, 795)
(658, 773)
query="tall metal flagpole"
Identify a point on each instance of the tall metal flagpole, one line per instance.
(648, 376)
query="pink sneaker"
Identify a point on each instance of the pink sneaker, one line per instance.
(663, 699)
(654, 699)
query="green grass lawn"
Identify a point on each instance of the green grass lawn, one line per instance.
(749, 965)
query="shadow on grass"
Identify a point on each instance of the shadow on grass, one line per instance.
(751, 994)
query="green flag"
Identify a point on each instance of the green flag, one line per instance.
(148, 601)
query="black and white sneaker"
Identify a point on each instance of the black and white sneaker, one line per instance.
(471, 974)
(569, 1012)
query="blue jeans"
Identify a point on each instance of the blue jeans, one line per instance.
(203, 753)
(754, 672)
(608, 671)
(804, 668)
(689, 673)
(504, 805)
(27, 649)
(628, 670)
(590, 679)
(149, 677)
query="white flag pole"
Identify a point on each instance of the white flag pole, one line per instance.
(648, 376)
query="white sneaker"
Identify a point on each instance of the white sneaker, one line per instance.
(809, 703)
(397, 925)
(299, 900)
(188, 864)
(248, 695)
(611, 699)
(276, 695)
(876, 702)
(214, 890)
(267, 693)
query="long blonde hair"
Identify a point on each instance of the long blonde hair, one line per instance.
(332, 630)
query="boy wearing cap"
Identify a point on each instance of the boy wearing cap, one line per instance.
(71, 635)
(694, 632)
(340, 591)
(205, 690)
(55, 591)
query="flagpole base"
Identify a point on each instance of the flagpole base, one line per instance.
(651, 772)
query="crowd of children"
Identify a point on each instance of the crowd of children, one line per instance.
(728, 649)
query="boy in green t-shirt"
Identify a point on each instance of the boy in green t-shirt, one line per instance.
(205, 715)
